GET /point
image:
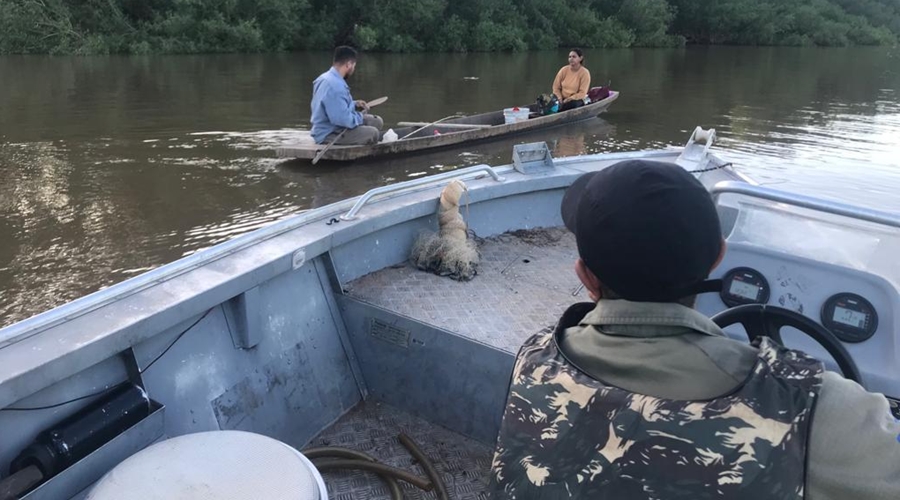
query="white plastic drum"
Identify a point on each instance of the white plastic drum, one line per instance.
(220, 465)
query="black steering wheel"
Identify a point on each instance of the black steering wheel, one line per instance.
(760, 320)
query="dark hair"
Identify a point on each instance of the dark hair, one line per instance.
(344, 54)
(578, 51)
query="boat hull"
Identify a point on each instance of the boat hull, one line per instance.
(449, 134)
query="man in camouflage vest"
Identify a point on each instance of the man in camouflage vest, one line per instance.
(638, 396)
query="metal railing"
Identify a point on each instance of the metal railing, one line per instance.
(83, 305)
(70, 310)
(406, 186)
(798, 200)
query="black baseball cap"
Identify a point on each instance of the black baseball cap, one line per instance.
(648, 230)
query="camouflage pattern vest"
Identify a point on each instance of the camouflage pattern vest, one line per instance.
(567, 435)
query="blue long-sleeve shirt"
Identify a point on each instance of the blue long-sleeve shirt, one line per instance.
(332, 106)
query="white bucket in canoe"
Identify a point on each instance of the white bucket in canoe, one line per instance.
(515, 115)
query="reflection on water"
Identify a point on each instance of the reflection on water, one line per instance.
(853, 154)
(115, 165)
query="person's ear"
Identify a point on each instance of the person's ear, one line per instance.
(588, 279)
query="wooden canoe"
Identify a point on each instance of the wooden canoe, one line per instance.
(451, 133)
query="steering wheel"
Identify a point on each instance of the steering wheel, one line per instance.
(760, 320)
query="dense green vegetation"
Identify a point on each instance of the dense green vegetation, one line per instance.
(190, 26)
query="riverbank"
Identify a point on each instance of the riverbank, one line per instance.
(212, 26)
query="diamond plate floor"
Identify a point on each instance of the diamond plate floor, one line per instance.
(373, 428)
(525, 281)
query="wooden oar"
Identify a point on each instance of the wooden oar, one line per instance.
(444, 125)
(322, 151)
(376, 102)
(428, 125)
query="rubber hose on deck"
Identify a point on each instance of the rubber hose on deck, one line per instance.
(378, 468)
(430, 471)
(334, 451)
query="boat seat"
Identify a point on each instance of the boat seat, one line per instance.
(221, 465)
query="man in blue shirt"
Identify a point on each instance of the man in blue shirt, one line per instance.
(335, 112)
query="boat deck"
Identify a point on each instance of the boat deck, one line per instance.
(373, 428)
(525, 281)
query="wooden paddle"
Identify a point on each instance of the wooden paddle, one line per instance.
(430, 124)
(322, 151)
(376, 102)
(444, 125)
(371, 104)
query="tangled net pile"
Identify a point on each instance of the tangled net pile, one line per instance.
(449, 252)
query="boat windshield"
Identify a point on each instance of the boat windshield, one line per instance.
(835, 239)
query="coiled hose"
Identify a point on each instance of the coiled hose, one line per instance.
(333, 457)
(426, 464)
(330, 452)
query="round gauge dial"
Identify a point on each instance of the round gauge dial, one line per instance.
(743, 285)
(850, 317)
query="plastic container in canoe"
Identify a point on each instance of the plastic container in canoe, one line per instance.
(515, 115)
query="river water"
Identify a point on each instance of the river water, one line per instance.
(111, 166)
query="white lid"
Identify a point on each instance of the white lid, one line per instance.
(220, 465)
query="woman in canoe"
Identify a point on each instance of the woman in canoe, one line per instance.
(572, 82)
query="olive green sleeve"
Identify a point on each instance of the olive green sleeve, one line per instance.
(854, 449)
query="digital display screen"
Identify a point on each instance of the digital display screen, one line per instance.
(745, 290)
(850, 317)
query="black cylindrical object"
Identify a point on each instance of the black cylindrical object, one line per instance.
(80, 434)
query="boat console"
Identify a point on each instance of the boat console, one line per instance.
(832, 263)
